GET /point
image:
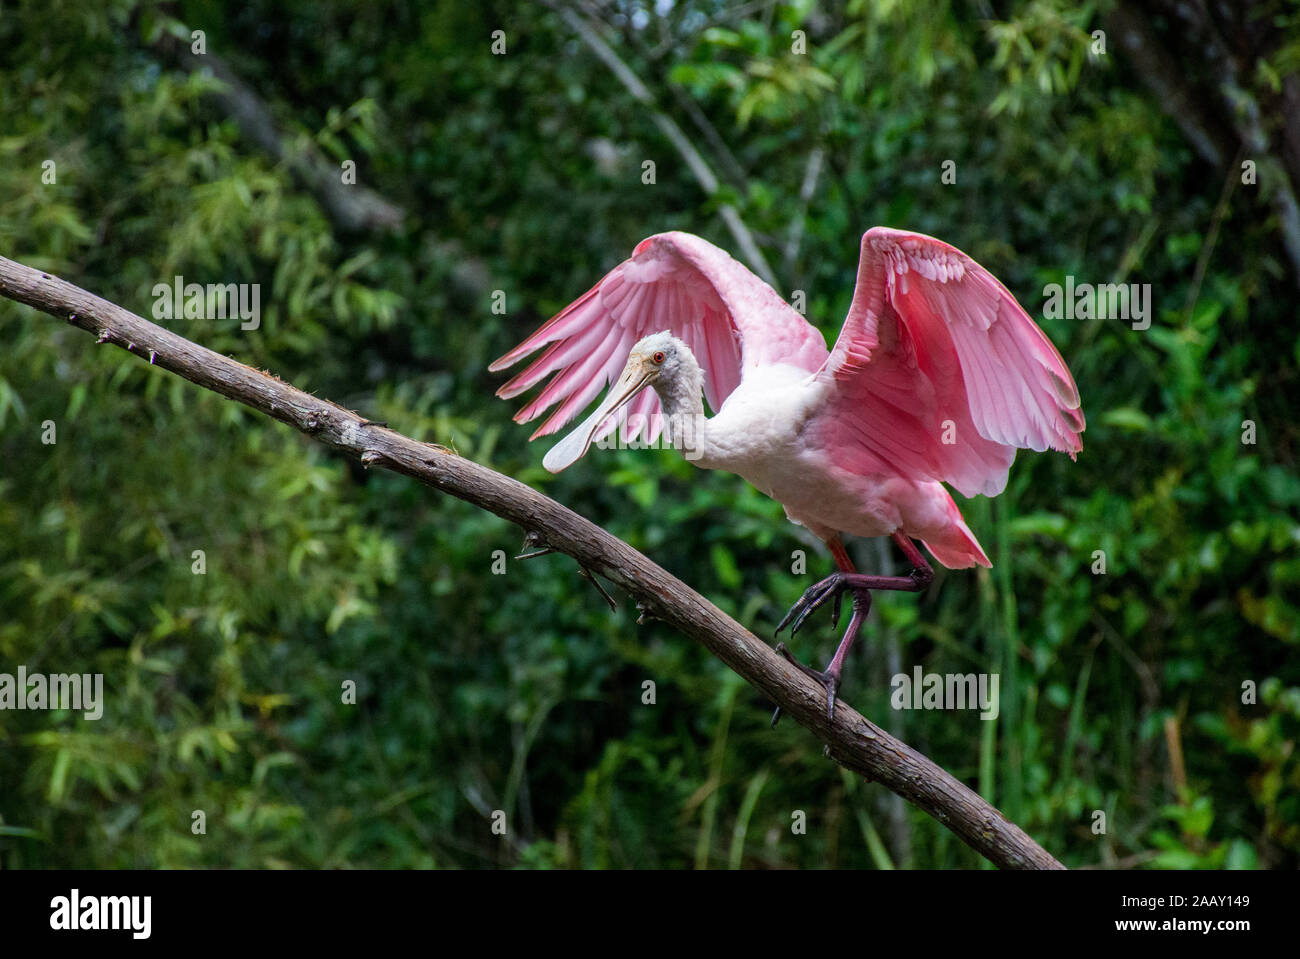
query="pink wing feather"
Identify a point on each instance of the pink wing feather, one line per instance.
(940, 373)
(730, 319)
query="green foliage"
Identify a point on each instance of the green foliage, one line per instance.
(522, 692)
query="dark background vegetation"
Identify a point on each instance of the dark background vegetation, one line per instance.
(1122, 692)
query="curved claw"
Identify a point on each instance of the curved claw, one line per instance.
(815, 596)
(830, 587)
(829, 680)
(786, 618)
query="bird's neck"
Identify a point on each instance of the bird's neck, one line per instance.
(682, 399)
(681, 396)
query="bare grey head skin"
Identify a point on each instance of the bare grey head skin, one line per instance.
(680, 381)
(660, 361)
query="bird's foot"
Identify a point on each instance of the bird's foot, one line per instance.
(814, 597)
(830, 680)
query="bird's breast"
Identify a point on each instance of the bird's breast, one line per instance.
(760, 434)
(759, 428)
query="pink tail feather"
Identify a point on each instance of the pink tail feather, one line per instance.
(957, 547)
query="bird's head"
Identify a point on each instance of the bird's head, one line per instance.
(660, 360)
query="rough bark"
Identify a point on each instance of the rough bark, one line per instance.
(851, 740)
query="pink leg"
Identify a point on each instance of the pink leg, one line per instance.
(921, 576)
(833, 587)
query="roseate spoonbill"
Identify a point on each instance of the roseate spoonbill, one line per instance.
(938, 376)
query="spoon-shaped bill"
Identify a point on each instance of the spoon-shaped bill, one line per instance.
(572, 448)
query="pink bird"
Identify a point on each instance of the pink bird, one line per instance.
(938, 376)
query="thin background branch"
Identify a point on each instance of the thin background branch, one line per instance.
(699, 168)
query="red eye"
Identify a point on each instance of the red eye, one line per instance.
(658, 357)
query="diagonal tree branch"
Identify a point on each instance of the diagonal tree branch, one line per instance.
(850, 739)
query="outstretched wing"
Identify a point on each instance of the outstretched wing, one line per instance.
(939, 372)
(731, 320)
